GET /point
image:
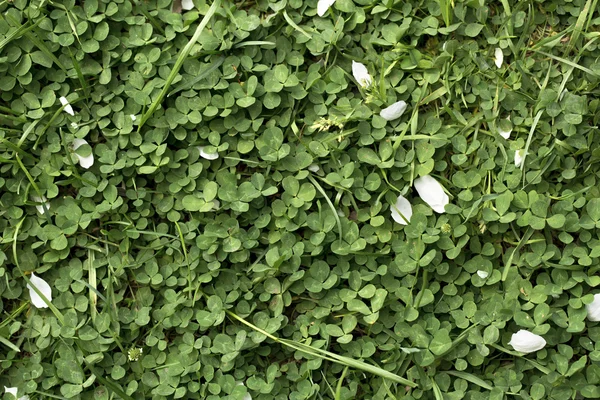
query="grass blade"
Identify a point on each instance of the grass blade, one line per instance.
(335, 214)
(202, 75)
(20, 31)
(294, 25)
(446, 9)
(568, 62)
(471, 378)
(179, 63)
(8, 344)
(52, 307)
(524, 239)
(254, 43)
(349, 362)
(581, 20)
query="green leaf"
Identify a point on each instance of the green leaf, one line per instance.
(473, 29)
(440, 343)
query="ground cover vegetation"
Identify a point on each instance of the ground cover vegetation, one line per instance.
(291, 199)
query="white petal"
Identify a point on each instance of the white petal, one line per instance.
(482, 274)
(593, 309)
(208, 156)
(519, 155)
(503, 133)
(68, 108)
(74, 125)
(187, 4)
(403, 207)
(527, 342)
(361, 74)
(43, 287)
(133, 117)
(323, 6)
(11, 390)
(432, 193)
(498, 57)
(85, 162)
(394, 111)
(313, 168)
(44, 202)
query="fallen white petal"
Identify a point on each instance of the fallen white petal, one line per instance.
(205, 155)
(401, 208)
(394, 111)
(133, 117)
(13, 392)
(40, 207)
(503, 133)
(498, 57)
(68, 108)
(593, 309)
(313, 168)
(85, 162)
(43, 287)
(74, 125)
(432, 193)
(323, 6)
(519, 156)
(361, 74)
(187, 4)
(482, 274)
(527, 342)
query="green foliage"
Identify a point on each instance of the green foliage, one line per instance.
(234, 236)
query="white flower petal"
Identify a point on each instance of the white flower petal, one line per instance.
(403, 207)
(323, 6)
(205, 155)
(11, 390)
(519, 156)
(68, 108)
(85, 162)
(361, 74)
(43, 287)
(432, 193)
(133, 117)
(527, 342)
(40, 207)
(394, 111)
(313, 168)
(593, 309)
(503, 133)
(498, 57)
(187, 4)
(482, 274)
